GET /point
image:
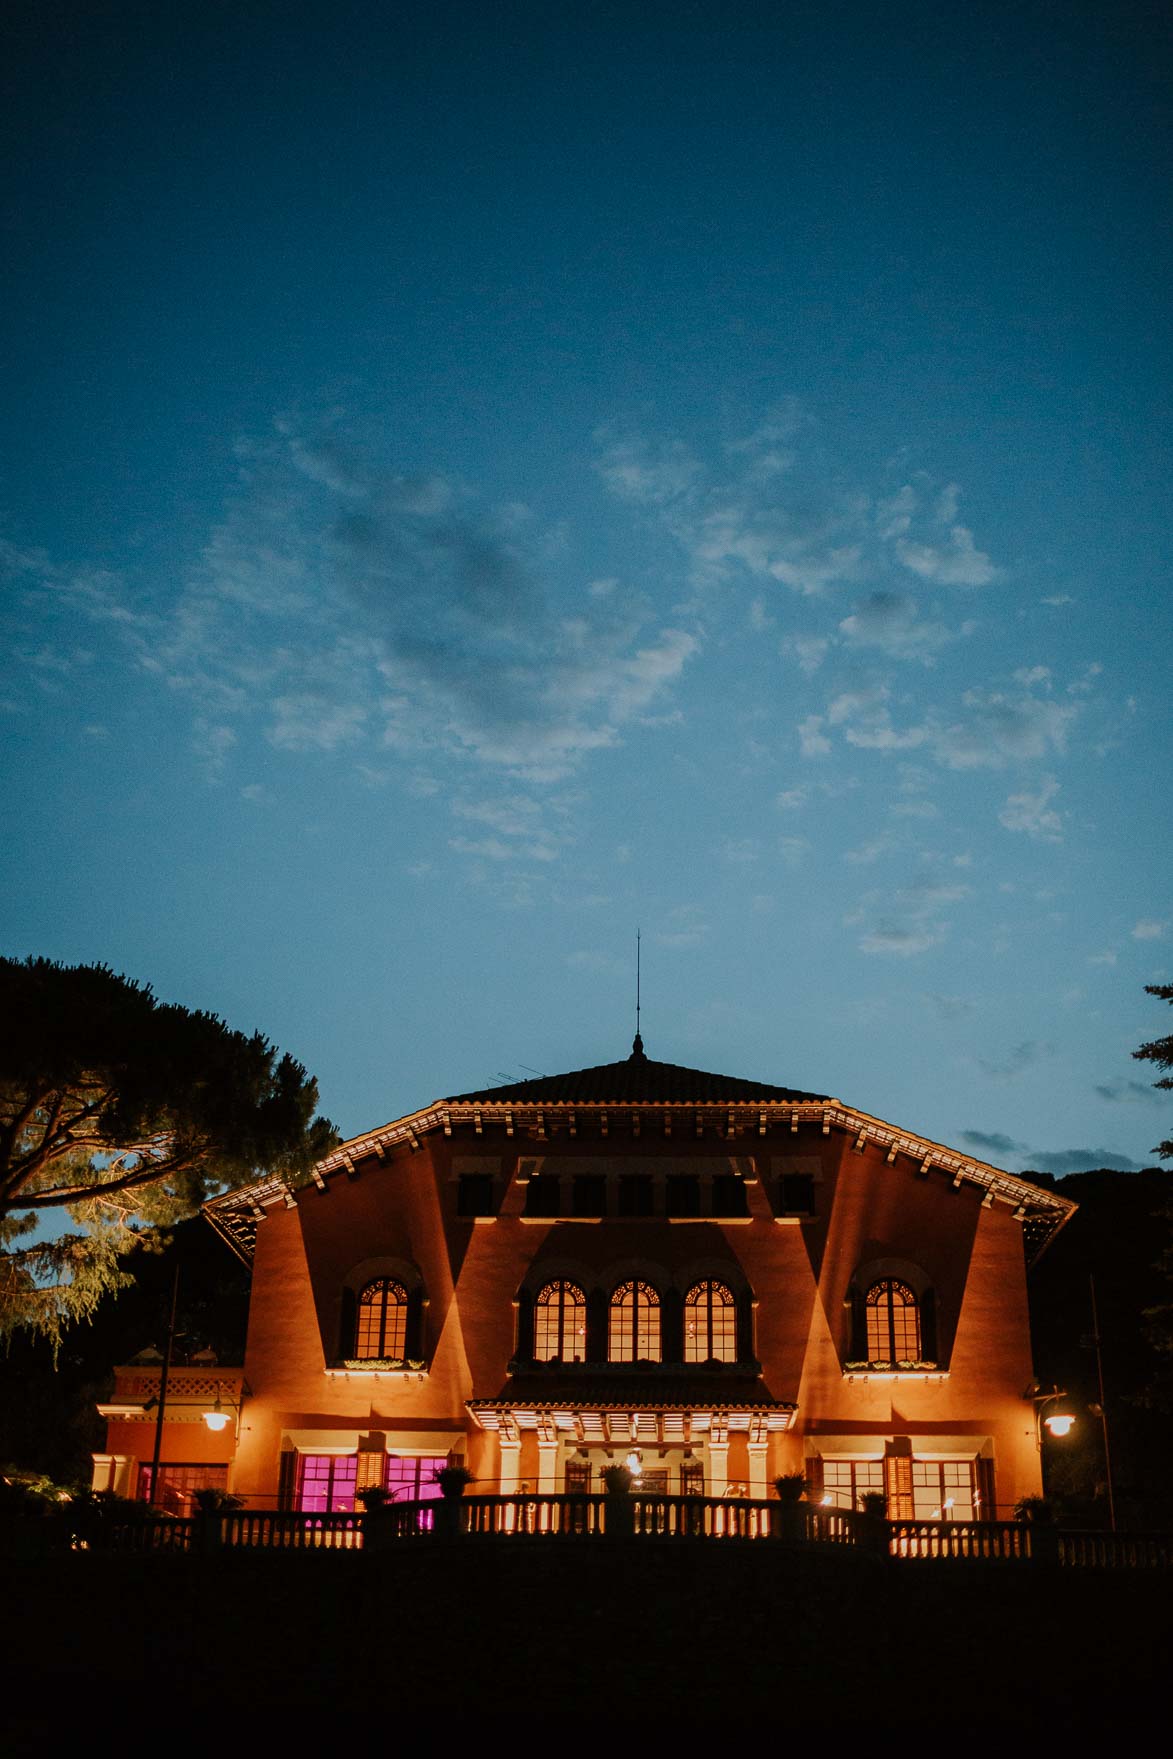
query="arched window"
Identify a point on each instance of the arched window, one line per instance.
(560, 1323)
(381, 1331)
(710, 1324)
(633, 1328)
(893, 1321)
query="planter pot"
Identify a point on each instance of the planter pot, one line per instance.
(618, 1515)
(788, 1522)
(208, 1533)
(378, 1530)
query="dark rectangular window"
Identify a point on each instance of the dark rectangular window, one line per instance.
(590, 1194)
(797, 1194)
(684, 1195)
(474, 1194)
(728, 1195)
(544, 1196)
(635, 1196)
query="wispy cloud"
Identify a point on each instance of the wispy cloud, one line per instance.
(908, 921)
(1149, 928)
(991, 1140)
(1034, 814)
(1017, 1061)
(1081, 1160)
(1125, 1092)
(891, 622)
(994, 729)
(358, 606)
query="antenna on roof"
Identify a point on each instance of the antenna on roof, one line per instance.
(637, 1046)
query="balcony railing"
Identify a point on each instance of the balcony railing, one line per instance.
(580, 1519)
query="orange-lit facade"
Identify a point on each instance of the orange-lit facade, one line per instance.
(715, 1280)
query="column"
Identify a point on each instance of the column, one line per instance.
(547, 1468)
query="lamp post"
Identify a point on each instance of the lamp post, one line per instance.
(161, 1403)
(1056, 1423)
(1092, 1342)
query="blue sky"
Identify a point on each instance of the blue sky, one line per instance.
(480, 479)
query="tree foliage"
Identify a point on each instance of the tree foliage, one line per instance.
(1160, 1316)
(124, 1113)
(1160, 1051)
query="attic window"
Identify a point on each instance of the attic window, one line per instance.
(796, 1193)
(474, 1194)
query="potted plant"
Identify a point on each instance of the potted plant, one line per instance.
(374, 1496)
(376, 1526)
(1036, 1511)
(211, 1505)
(875, 1504)
(452, 1481)
(619, 1509)
(791, 1487)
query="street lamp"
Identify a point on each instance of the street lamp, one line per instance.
(1056, 1423)
(218, 1419)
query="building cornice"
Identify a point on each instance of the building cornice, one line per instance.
(235, 1214)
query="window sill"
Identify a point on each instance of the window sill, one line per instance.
(927, 1371)
(359, 1370)
(545, 1221)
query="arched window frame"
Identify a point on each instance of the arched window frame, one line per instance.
(560, 1322)
(892, 1317)
(382, 1314)
(634, 1331)
(705, 1340)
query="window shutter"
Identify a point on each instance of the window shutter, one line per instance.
(287, 1481)
(813, 1467)
(988, 1510)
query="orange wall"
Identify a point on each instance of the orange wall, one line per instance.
(404, 1209)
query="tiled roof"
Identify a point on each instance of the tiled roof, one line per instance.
(638, 1079)
(642, 1389)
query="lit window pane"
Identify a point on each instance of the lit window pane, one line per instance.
(710, 1324)
(560, 1323)
(893, 1322)
(633, 1331)
(381, 1332)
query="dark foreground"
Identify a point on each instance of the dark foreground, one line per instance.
(581, 1644)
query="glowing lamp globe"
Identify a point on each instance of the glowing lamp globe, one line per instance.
(1060, 1424)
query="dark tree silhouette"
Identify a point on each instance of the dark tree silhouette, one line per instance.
(1160, 1051)
(125, 1113)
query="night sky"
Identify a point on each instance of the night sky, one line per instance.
(478, 479)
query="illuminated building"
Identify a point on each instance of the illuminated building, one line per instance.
(728, 1281)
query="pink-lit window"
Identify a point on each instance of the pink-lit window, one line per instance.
(412, 1478)
(326, 1483)
(633, 1331)
(893, 1323)
(710, 1324)
(560, 1323)
(381, 1333)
